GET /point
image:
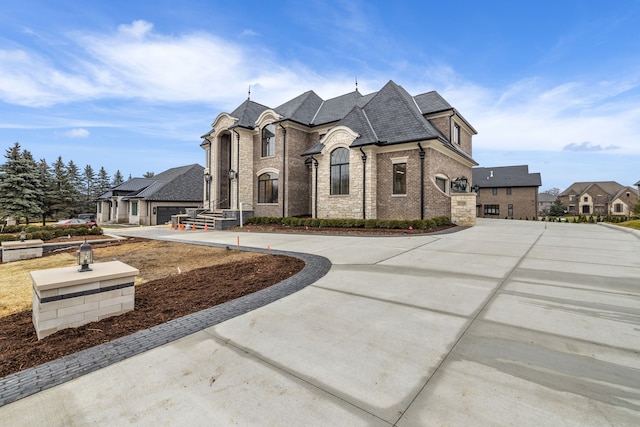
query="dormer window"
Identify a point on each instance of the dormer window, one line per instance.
(268, 140)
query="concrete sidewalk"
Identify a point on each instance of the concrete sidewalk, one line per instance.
(505, 323)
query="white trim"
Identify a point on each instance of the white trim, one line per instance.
(396, 160)
(266, 170)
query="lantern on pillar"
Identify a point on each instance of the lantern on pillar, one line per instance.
(85, 256)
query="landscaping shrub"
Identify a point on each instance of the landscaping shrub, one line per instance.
(8, 238)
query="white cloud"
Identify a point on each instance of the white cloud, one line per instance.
(77, 133)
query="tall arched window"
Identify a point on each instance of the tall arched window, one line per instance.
(268, 140)
(340, 171)
(268, 188)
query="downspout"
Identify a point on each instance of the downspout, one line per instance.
(238, 171)
(364, 183)
(315, 190)
(284, 168)
(421, 181)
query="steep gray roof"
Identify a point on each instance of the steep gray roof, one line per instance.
(546, 197)
(432, 102)
(247, 113)
(505, 176)
(180, 184)
(637, 183)
(302, 108)
(176, 185)
(335, 109)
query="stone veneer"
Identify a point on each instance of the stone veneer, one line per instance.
(463, 209)
(65, 298)
(16, 251)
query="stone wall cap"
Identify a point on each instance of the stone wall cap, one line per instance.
(54, 278)
(17, 244)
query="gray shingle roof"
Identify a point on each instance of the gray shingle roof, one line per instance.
(637, 183)
(302, 108)
(180, 184)
(432, 102)
(505, 176)
(247, 114)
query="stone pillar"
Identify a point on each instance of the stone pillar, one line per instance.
(463, 209)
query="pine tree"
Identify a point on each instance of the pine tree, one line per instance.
(148, 175)
(62, 200)
(89, 192)
(75, 179)
(48, 190)
(104, 182)
(117, 178)
(19, 187)
(557, 208)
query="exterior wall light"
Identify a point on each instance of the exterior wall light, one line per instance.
(232, 174)
(85, 256)
(459, 185)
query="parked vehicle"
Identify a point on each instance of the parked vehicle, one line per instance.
(89, 217)
(74, 221)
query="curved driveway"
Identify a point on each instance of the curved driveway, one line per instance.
(505, 323)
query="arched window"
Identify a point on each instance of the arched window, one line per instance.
(442, 182)
(340, 171)
(268, 188)
(268, 140)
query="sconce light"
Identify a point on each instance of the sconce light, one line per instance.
(85, 256)
(459, 184)
(232, 174)
(207, 177)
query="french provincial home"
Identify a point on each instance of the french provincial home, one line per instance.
(384, 155)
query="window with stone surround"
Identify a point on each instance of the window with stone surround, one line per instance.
(400, 178)
(456, 134)
(268, 140)
(134, 208)
(442, 182)
(340, 171)
(268, 188)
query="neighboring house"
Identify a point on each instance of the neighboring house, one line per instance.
(507, 192)
(545, 201)
(152, 201)
(385, 155)
(599, 198)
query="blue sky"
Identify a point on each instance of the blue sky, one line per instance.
(132, 85)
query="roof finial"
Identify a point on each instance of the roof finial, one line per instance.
(356, 83)
(249, 95)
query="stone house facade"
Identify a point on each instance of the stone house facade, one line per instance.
(506, 192)
(385, 155)
(599, 198)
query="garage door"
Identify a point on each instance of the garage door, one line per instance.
(163, 213)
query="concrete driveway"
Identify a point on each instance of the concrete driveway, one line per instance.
(505, 323)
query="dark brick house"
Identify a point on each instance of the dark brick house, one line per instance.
(506, 192)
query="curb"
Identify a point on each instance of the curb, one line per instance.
(33, 380)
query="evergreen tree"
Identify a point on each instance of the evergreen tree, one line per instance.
(117, 178)
(104, 182)
(89, 192)
(62, 200)
(75, 179)
(148, 175)
(48, 190)
(635, 211)
(557, 208)
(19, 187)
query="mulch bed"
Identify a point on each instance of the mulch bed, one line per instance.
(156, 302)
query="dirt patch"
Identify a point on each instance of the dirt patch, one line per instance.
(207, 277)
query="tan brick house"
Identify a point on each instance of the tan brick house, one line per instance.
(506, 192)
(385, 155)
(599, 198)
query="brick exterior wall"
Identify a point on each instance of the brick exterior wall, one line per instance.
(523, 199)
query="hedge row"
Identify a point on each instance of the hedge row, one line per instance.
(46, 232)
(417, 224)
